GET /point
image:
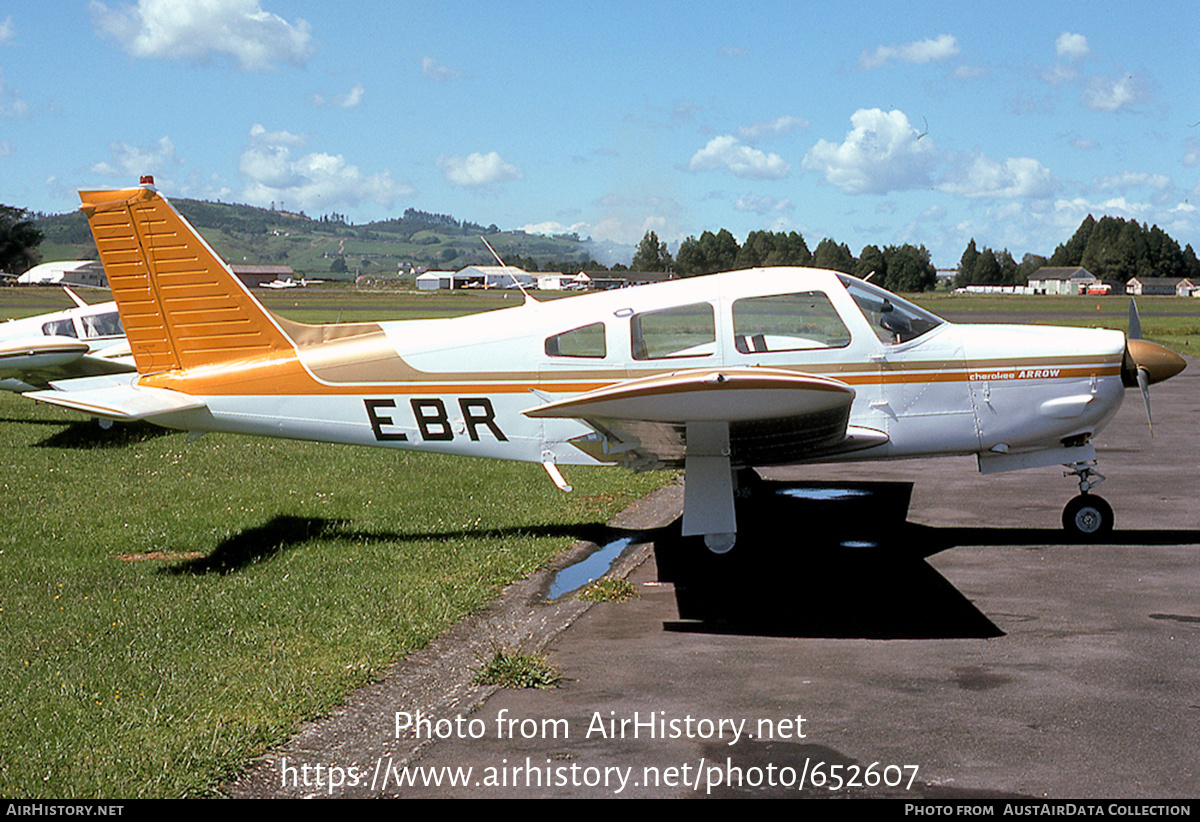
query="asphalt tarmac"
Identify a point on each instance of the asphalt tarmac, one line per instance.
(905, 630)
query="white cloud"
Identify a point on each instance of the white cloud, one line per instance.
(742, 161)
(921, 51)
(240, 29)
(1073, 211)
(969, 72)
(552, 227)
(628, 229)
(881, 153)
(430, 70)
(259, 134)
(1071, 46)
(6, 148)
(625, 220)
(733, 51)
(477, 169)
(1059, 74)
(757, 204)
(349, 100)
(7, 31)
(1191, 153)
(764, 128)
(132, 161)
(1123, 205)
(1016, 177)
(1104, 94)
(12, 104)
(315, 180)
(1130, 179)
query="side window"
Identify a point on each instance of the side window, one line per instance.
(587, 341)
(894, 319)
(787, 322)
(682, 331)
(59, 328)
(103, 325)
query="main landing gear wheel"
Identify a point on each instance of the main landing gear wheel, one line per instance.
(1088, 518)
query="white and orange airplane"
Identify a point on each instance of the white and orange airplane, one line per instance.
(76, 342)
(712, 374)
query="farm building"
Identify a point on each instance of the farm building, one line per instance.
(1063, 280)
(1169, 286)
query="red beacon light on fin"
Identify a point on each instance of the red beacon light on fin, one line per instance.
(147, 180)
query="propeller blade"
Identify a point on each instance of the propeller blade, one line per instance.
(1143, 378)
(1135, 322)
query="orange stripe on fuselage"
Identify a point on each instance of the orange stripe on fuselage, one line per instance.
(285, 375)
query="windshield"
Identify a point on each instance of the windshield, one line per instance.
(894, 319)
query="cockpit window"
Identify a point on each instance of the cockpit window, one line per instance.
(894, 319)
(681, 331)
(787, 322)
(587, 341)
(103, 325)
(59, 328)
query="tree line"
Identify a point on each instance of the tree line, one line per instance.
(897, 268)
(1113, 249)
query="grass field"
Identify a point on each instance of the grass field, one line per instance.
(1172, 321)
(172, 608)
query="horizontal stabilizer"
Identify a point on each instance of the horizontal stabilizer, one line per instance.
(116, 398)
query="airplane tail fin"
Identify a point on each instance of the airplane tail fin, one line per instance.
(181, 305)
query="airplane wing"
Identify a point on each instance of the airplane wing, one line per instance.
(37, 361)
(774, 416)
(116, 397)
(710, 421)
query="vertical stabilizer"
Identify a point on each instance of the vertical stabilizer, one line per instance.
(180, 304)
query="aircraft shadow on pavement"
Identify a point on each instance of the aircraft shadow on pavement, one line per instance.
(838, 560)
(817, 560)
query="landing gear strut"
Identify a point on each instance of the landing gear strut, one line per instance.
(1087, 517)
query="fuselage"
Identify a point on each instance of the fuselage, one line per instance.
(461, 385)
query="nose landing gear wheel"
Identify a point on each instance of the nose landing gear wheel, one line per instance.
(1088, 518)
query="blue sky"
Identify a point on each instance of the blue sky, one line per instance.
(879, 123)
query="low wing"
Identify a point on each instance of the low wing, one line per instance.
(37, 361)
(774, 416)
(116, 397)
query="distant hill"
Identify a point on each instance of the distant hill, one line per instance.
(329, 247)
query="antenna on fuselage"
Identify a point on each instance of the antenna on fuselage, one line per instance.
(79, 301)
(503, 264)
